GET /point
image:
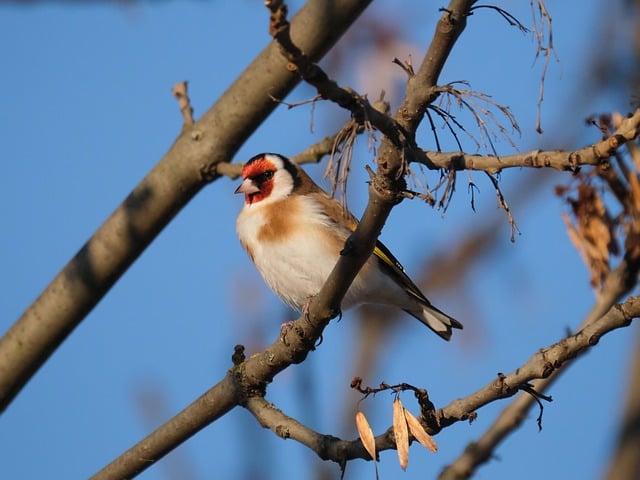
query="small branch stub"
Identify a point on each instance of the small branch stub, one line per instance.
(179, 91)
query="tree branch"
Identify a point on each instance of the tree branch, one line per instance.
(209, 407)
(421, 88)
(562, 160)
(327, 88)
(545, 365)
(549, 364)
(313, 154)
(595, 154)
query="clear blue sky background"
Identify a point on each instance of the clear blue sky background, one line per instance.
(87, 111)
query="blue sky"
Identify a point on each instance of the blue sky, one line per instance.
(87, 111)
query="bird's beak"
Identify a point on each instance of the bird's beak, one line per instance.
(247, 186)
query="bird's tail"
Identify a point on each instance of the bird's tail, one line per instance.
(438, 321)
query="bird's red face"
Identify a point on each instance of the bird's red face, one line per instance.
(257, 179)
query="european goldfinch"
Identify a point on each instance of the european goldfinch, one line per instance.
(293, 232)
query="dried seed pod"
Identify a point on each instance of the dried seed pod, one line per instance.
(366, 434)
(419, 433)
(401, 433)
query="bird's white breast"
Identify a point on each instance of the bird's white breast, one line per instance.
(293, 245)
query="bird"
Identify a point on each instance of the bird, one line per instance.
(294, 232)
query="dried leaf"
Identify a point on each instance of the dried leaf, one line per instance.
(593, 233)
(366, 434)
(419, 433)
(595, 224)
(401, 433)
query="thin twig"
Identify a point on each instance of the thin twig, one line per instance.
(502, 203)
(543, 33)
(511, 19)
(179, 91)
(474, 102)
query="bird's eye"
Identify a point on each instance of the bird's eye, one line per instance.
(263, 177)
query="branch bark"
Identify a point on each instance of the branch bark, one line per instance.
(595, 154)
